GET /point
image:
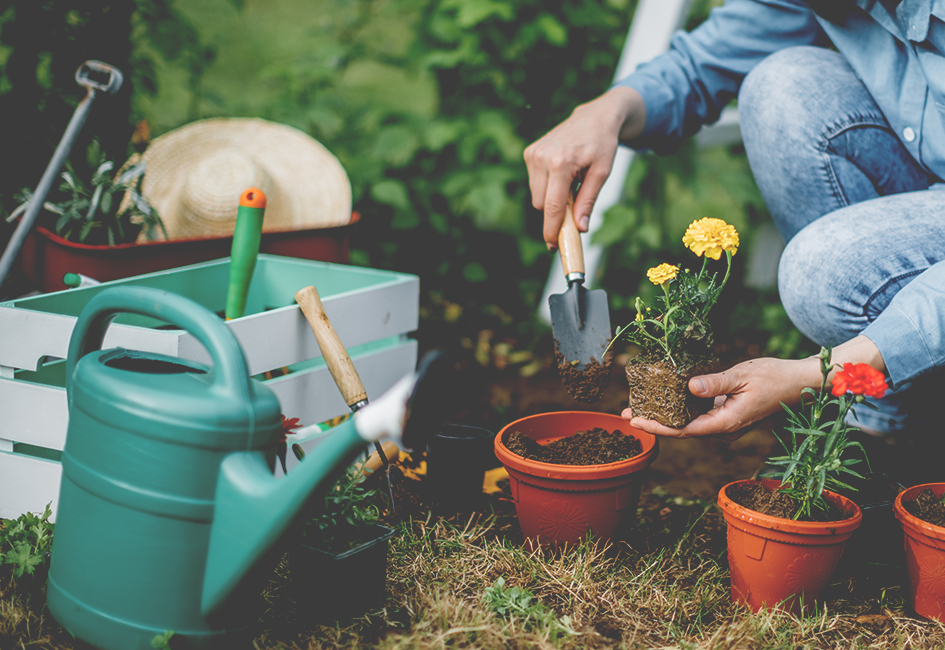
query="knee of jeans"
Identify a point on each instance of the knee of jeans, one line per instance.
(806, 288)
(776, 93)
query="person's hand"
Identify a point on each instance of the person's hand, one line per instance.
(584, 146)
(743, 395)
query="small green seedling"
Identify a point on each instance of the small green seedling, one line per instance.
(515, 604)
(25, 542)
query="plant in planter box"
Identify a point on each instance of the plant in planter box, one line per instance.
(674, 335)
(108, 210)
(338, 562)
(786, 533)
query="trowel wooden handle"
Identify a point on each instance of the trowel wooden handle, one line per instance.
(569, 242)
(374, 462)
(336, 356)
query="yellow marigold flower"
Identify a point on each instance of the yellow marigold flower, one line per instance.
(662, 273)
(711, 237)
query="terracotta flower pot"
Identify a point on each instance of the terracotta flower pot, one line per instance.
(559, 504)
(782, 563)
(925, 555)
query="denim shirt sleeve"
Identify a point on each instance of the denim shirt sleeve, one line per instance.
(691, 83)
(909, 332)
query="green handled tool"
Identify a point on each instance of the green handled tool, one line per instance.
(246, 238)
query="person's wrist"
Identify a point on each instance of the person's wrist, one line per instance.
(616, 110)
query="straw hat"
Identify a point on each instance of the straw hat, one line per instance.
(195, 175)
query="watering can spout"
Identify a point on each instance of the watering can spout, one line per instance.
(254, 508)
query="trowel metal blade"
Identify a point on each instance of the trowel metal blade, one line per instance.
(580, 323)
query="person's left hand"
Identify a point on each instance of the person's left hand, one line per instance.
(743, 395)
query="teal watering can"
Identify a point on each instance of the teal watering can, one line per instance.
(169, 512)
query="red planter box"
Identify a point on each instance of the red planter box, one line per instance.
(46, 257)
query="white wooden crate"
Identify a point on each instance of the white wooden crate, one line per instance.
(372, 311)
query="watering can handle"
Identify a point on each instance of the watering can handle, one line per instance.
(229, 371)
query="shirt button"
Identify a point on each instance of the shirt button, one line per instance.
(908, 134)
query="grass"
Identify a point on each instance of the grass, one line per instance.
(464, 580)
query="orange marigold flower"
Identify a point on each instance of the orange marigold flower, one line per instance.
(662, 273)
(711, 237)
(859, 379)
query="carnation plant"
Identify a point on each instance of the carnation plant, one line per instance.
(818, 445)
(681, 312)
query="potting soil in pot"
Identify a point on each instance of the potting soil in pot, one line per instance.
(757, 497)
(596, 446)
(927, 507)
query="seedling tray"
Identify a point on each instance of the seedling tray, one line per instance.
(372, 311)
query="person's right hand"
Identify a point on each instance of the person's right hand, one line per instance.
(583, 145)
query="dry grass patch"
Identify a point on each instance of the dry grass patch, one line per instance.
(464, 580)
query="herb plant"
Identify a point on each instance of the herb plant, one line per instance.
(818, 445)
(25, 542)
(681, 313)
(108, 210)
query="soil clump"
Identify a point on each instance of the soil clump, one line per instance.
(596, 446)
(587, 384)
(927, 507)
(776, 503)
(660, 391)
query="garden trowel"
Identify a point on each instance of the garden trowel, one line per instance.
(580, 321)
(341, 368)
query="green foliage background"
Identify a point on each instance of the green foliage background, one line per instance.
(429, 105)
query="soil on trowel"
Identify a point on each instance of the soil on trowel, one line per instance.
(660, 391)
(595, 446)
(927, 507)
(776, 503)
(584, 382)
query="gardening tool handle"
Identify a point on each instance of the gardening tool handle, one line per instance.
(333, 350)
(59, 155)
(229, 373)
(569, 243)
(247, 236)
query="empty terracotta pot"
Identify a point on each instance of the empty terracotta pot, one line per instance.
(925, 555)
(560, 504)
(778, 563)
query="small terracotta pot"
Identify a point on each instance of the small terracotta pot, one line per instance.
(560, 504)
(925, 555)
(780, 563)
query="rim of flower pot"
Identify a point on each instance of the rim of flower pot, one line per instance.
(907, 518)
(747, 515)
(608, 421)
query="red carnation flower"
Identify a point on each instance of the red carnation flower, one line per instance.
(859, 379)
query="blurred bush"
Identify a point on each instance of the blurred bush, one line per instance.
(429, 105)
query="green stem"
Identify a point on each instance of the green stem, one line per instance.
(728, 270)
(665, 287)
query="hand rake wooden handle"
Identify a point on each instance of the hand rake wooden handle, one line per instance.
(336, 356)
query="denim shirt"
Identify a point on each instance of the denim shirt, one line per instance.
(899, 54)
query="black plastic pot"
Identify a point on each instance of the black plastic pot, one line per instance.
(458, 456)
(341, 586)
(878, 542)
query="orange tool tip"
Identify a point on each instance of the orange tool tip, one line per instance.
(253, 198)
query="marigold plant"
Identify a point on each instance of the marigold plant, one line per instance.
(818, 446)
(681, 312)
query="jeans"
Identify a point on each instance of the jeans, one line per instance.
(860, 217)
